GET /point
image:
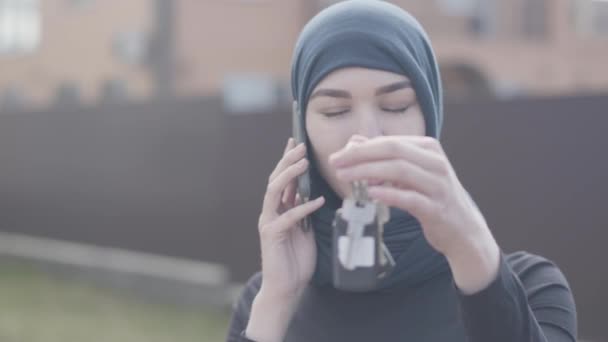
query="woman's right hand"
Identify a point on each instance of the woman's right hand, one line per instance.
(289, 253)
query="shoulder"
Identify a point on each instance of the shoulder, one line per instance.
(547, 291)
(536, 272)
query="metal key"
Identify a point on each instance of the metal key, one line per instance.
(360, 259)
(359, 211)
(386, 258)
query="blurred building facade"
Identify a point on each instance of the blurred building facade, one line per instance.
(70, 51)
(538, 47)
(66, 52)
(485, 48)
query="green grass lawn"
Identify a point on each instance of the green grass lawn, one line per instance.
(38, 307)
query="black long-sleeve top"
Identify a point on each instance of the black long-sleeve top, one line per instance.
(529, 301)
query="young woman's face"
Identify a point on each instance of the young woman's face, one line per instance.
(359, 102)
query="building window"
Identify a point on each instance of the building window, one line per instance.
(80, 3)
(19, 26)
(535, 18)
(591, 17)
(245, 93)
(484, 22)
(464, 8)
(600, 17)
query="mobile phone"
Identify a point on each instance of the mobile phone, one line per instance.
(303, 180)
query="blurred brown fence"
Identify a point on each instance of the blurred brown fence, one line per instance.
(183, 178)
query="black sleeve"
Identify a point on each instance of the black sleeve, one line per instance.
(242, 310)
(529, 301)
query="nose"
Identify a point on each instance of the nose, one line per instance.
(369, 125)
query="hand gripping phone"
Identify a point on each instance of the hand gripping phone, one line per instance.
(303, 180)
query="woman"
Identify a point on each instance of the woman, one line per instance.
(365, 77)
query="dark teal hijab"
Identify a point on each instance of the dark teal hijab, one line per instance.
(377, 35)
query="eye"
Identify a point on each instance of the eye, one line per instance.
(396, 110)
(330, 114)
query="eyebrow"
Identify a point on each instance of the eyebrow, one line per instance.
(330, 93)
(393, 87)
(346, 95)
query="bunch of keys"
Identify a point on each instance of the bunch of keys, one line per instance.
(360, 257)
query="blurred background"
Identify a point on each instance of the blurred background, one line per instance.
(136, 138)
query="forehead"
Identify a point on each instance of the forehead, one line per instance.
(357, 78)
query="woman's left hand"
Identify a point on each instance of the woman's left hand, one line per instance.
(423, 183)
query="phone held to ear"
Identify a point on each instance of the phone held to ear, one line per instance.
(303, 180)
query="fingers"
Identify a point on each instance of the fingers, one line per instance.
(276, 187)
(288, 199)
(417, 150)
(289, 145)
(290, 218)
(355, 139)
(291, 155)
(419, 205)
(397, 171)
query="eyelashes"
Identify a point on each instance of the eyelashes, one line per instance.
(331, 114)
(397, 111)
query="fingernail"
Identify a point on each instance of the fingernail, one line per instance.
(336, 158)
(342, 174)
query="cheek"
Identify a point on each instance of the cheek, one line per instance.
(324, 145)
(326, 140)
(411, 123)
